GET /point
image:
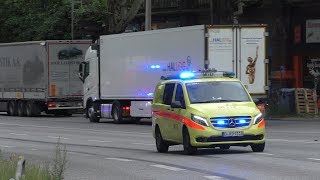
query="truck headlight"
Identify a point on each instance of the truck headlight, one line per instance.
(200, 120)
(258, 118)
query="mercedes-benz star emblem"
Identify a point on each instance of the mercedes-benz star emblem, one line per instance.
(232, 122)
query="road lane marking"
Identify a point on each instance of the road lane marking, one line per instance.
(90, 130)
(314, 159)
(18, 134)
(99, 141)
(119, 159)
(215, 177)
(143, 144)
(6, 146)
(167, 167)
(268, 154)
(56, 137)
(34, 149)
(294, 141)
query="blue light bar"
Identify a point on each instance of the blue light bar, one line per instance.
(150, 94)
(220, 122)
(155, 66)
(242, 121)
(186, 75)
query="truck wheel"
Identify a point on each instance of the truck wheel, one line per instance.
(92, 116)
(21, 108)
(187, 147)
(29, 109)
(36, 109)
(136, 120)
(12, 108)
(117, 113)
(162, 147)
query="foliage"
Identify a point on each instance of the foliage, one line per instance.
(51, 19)
(42, 171)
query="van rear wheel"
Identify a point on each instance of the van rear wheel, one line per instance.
(162, 146)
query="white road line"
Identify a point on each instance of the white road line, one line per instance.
(18, 134)
(314, 159)
(215, 177)
(99, 141)
(56, 137)
(119, 159)
(293, 141)
(167, 167)
(268, 154)
(6, 146)
(64, 128)
(143, 144)
(34, 149)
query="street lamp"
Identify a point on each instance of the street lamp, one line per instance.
(72, 14)
(148, 15)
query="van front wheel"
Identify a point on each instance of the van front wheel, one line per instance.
(187, 147)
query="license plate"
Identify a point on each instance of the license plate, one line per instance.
(232, 134)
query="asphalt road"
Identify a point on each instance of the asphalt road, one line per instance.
(127, 151)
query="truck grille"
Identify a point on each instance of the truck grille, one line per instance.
(231, 122)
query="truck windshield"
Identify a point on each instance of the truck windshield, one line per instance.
(225, 91)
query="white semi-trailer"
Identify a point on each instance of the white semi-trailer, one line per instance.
(41, 76)
(121, 71)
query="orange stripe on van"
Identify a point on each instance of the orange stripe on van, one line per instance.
(176, 117)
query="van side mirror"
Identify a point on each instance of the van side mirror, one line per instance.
(176, 104)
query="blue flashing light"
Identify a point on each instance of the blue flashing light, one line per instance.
(150, 94)
(220, 122)
(155, 66)
(186, 75)
(242, 121)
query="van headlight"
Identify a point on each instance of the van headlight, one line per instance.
(200, 120)
(258, 118)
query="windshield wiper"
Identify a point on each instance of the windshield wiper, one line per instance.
(219, 100)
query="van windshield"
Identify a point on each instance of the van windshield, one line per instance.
(222, 91)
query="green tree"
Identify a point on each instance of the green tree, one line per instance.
(23, 20)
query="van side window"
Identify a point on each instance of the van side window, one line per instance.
(179, 95)
(168, 93)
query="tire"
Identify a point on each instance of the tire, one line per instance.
(117, 113)
(12, 108)
(92, 116)
(258, 147)
(21, 108)
(162, 147)
(136, 120)
(29, 109)
(225, 147)
(36, 109)
(187, 147)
